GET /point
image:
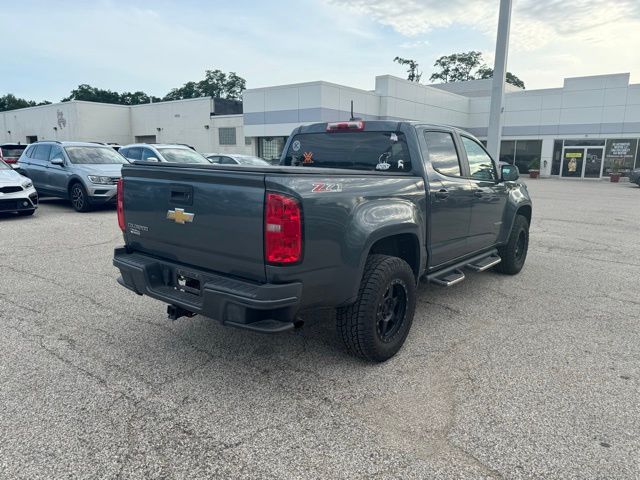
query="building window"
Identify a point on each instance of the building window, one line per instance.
(270, 148)
(619, 155)
(528, 153)
(508, 151)
(227, 136)
(557, 156)
(248, 141)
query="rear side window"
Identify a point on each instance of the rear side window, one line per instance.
(134, 153)
(442, 153)
(381, 151)
(29, 151)
(42, 152)
(480, 164)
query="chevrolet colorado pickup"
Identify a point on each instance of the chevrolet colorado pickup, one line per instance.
(355, 215)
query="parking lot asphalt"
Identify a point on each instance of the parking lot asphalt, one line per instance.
(532, 376)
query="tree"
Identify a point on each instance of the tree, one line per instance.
(215, 84)
(137, 98)
(461, 67)
(412, 73)
(456, 67)
(487, 72)
(11, 102)
(93, 94)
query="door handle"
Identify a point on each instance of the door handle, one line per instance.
(478, 192)
(442, 193)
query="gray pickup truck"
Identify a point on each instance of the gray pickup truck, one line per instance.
(355, 215)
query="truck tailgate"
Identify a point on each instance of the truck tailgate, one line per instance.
(212, 219)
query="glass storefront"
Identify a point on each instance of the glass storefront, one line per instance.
(619, 155)
(594, 158)
(522, 153)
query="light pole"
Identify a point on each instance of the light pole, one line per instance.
(497, 85)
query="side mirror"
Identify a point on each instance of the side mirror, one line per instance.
(151, 159)
(510, 173)
(57, 161)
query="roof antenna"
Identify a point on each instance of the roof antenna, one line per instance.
(353, 117)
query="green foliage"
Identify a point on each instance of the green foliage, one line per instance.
(11, 102)
(461, 67)
(215, 84)
(456, 67)
(413, 75)
(534, 164)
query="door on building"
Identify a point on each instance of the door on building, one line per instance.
(582, 162)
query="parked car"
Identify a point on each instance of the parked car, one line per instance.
(236, 159)
(171, 153)
(354, 217)
(16, 192)
(84, 173)
(634, 176)
(10, 152)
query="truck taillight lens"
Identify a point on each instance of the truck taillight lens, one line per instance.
(120, 204)
(282, 229)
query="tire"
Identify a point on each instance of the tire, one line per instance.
(514, 253)
(79, 198)
(377, 324)
(26, 213)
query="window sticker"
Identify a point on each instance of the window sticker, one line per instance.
(393, 137)
(296, 146)
(307, 158)
(382, 162)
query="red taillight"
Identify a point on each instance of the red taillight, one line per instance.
(10, 160)
(120, 205)
(282, 229)
(354, 125)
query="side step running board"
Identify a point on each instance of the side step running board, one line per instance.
(484, 264)
(449, 279)
(453, 274)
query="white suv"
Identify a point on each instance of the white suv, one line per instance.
(173, 153)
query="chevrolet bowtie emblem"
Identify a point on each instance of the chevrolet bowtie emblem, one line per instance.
(180, 216)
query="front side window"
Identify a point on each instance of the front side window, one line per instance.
(56, 152)
(94, 155)
(442, 153)
(182, 155)
(227, 161)
(148, 153)
(480, 164)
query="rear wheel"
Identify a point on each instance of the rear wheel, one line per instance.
(377, 324)
(79, 198)
(514, 253)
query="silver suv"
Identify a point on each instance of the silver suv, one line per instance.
(158, 152)
(85, 173)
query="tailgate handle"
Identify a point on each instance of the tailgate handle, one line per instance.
(181, 194)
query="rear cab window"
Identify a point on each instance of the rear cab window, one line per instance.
(372, 151)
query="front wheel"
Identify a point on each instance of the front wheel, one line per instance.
(514, 253)
(377, 324)
(79, 198)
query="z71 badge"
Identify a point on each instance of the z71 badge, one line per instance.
(326, 187)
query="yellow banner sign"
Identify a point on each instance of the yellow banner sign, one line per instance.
(573, 155)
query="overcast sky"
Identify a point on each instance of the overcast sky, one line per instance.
(48, 48)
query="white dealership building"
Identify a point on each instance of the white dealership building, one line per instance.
(585, 129)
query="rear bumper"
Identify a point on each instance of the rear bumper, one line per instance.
(261, 307)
